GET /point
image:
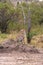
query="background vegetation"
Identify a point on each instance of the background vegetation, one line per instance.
(11, 18)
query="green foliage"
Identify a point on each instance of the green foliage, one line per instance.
(36, 10)
(36, 13)
(14, 26)
(13, 17)
(4, 36)
(6, 12)
(31, 34)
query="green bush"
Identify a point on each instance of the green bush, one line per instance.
(13, 17)
(36, 13)
(30, 35)
(6, 14)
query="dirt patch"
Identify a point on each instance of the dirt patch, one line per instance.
(14, 53)
(12, 45)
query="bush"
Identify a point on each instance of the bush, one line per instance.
(36, 13)
(6, 13)
(13, 19)
(30, 35)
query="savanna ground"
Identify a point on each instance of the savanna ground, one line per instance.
(14, 49)
(22, 55)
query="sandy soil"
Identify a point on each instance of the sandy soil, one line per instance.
(17, 58)
(20, 54)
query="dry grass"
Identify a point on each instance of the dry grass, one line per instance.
(37, 41)
(4, 37)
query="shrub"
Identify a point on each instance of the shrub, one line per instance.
(6, 13)
(30, 35)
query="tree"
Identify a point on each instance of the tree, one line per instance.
(5, 15)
